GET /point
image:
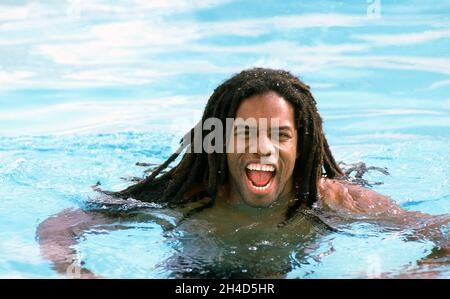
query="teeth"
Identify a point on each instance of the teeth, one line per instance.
(262, 188)
(260, 167)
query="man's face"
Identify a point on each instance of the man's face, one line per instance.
(261, 178)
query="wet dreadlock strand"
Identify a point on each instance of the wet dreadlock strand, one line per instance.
(309, 168)
(303, 166)
(330, 163)
(211, 170)
(316, 163)
(178, 178)
(191, 176)
(217, 175)
(144, 183)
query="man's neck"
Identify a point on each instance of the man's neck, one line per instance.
(276, 211)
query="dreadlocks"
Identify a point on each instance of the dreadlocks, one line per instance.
(211, 170)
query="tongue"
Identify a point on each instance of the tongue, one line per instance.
(259, 178)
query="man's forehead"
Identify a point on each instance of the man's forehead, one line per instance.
(267, 112)
(263, 122)
(267, 106)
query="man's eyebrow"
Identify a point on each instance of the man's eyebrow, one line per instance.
(244, 127)
(282, 128)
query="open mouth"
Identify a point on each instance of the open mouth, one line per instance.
(260, 176)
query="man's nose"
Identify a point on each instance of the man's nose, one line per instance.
(265, 145)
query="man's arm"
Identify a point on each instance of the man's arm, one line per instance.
(345, 196)
(350, 198)
(58, 234)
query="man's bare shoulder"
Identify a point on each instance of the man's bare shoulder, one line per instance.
(342, 195)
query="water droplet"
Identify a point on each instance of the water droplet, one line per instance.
(265, 242)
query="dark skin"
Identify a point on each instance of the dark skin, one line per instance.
(280, 154)
(238, 198)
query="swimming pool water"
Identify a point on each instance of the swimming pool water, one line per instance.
(87, 91)
(42, 175)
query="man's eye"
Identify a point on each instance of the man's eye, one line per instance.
(283, 135)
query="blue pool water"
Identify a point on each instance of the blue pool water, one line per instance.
(87, 91)
(42, 175)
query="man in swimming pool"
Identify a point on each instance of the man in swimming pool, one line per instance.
(294, 170)
(286, 173)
